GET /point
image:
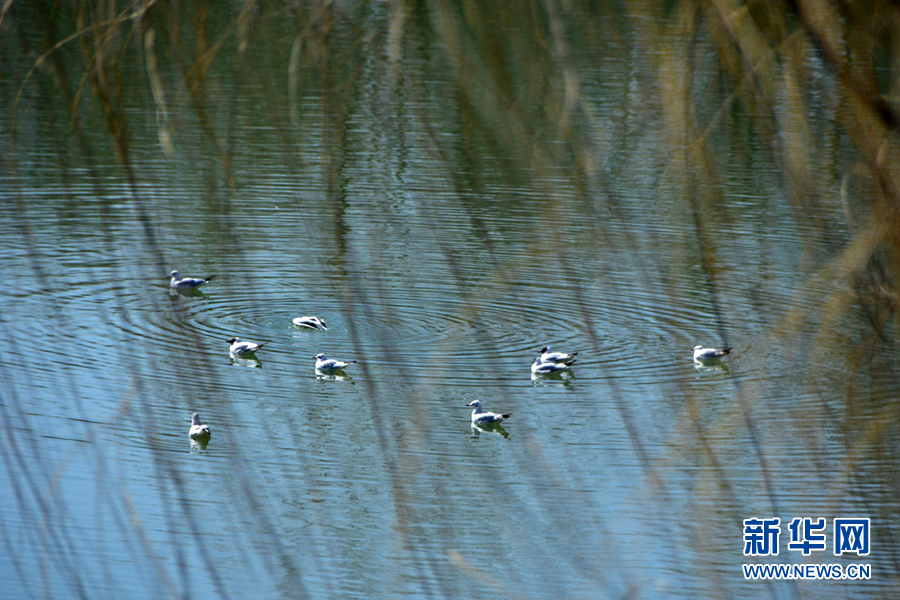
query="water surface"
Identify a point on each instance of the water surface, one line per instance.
(447, 226)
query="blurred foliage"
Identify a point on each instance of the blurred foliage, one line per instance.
(520, 71)
(528, 90)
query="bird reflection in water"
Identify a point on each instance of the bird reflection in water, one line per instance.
(489, 428)
(246, 361)
(332, 376)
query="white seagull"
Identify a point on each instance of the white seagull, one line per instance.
(701, 353)
(323, 363)
(199, 431)
(311, 322)
(548, 368)
(479, 417)
(557, 357)
(239, 347)
(183, 283)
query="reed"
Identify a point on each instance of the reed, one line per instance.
(803, 96)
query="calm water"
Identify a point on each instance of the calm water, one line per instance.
(443, 250)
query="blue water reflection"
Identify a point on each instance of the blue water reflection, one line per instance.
(442, 262)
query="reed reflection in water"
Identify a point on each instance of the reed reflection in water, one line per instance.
(451, 188)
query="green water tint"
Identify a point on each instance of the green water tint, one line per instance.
(451, 190)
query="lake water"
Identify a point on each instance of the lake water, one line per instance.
(432, 199)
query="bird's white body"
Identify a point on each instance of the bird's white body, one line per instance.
(311, 322)
(481, 417)
(701, 353)
(548, 368)
(547, 356)
(198, 431)
(182, 283)
(239, 346)
(325, 364)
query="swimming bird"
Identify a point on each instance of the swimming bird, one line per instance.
(182, 283)
(548, 368)
(557, 357)
(239, 347)
(323, 363)
(311, 322)
(701, 353)
(480, 417)
(199, 431)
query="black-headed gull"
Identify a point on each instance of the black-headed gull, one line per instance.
(239, 347)
(311, 322)
(548, 368)
(480, 417)
(701, 353)
(183, 283)
(199, 431)
(557, 357)
(323, 363)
